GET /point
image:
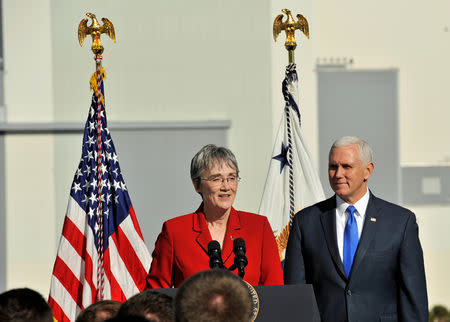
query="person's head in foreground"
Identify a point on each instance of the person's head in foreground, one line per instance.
(24, 304)
(99, 311)
(213, 295)
(149, 304)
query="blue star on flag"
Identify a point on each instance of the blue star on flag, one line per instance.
(282, 157)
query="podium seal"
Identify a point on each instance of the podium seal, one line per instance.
(255, 301)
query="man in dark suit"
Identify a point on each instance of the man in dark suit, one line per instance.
(361, 254)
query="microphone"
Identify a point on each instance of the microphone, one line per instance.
(240, 260)
(214, 253)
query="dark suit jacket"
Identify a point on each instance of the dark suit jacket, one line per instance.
(181, 249)
(387, 281)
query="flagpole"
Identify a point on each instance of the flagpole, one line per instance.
(100, 268)
(102, 247)
(95, 31)
(291, 56)
(281, 197)
(289, 26)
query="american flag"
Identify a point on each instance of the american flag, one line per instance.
(102, 254)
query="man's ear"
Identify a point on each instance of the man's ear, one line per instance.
(368, 171)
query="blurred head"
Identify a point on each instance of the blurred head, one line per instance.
(213, 295)
(439, 313)
(24, 304)
(349, 167)
(130, 318)
(99, 311)
(215, 174)
(149, 304)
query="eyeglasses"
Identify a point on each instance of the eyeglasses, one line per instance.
(217, 181)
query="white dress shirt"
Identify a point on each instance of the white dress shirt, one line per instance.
(342, 217)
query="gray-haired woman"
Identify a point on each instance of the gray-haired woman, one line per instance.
(181, 249)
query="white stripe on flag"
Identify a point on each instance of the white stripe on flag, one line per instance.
(136, 242)
(92, 251)
(107, 288)
(120, 271)
(76, 214)
(70, 256)
(87, 294)
(61, 296)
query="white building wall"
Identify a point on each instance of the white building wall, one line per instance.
(29, 176)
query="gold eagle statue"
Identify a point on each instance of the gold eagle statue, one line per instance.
(289, 27)
(95, 30)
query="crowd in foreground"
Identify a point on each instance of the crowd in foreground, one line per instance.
(212, 295)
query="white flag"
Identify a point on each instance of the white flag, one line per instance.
(292, 182)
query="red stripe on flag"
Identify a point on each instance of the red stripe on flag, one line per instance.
(58, 313)
(74, 236)
(130, 259)
(116, 291)
(88, 274)
(78, 241)
(68, 279)
(135, 222)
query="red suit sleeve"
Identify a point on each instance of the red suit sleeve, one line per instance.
(160, 274)
(271, 270)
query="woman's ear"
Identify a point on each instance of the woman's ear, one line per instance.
(196, 183)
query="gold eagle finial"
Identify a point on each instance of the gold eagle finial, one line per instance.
(95, 30)
(289, 27)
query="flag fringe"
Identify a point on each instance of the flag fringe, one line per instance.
(94, 87)
(282, 239)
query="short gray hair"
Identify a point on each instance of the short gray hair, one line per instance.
(205, 158)
(213, 295)
(365, 151)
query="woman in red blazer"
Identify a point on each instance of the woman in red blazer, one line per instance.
(181, 249)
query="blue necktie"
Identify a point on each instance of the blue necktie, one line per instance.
(350, 239)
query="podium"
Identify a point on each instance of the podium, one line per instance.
(281, 303)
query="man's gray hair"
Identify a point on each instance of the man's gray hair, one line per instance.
(365, 151)
(207, 156)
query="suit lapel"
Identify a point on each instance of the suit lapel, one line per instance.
(368, 233)
(328, 219)
(201, 227)
(233, 232)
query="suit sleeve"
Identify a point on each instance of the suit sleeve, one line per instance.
(294, 267)
(413, 302)
(160, 274)
(271, 271)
